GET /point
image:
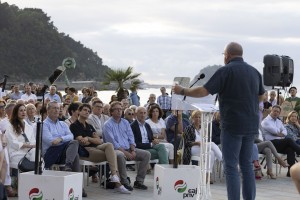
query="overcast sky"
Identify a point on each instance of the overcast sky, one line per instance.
(163, 39)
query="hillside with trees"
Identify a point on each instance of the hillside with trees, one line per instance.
(32, 47)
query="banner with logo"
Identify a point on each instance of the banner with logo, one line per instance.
(176, 183)
(54, 185)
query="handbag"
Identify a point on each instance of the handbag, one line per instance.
(25, 165)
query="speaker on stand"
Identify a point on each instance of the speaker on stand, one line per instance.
(278, 72)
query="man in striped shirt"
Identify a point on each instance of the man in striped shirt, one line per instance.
(164, 101)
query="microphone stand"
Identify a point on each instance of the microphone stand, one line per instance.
(198, 79)
(39, 138)
(175, 164)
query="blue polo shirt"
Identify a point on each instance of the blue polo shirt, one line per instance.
(238, 85)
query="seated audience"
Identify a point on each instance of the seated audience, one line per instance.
(3, 165)
(30, 114)
(192, 142)
(97, 150)
(129, 115)
(73, 112)
(52, 96)
(144, 139)
(274, 131)
(97, 119)
(106, 108)
(133, 108)
(216, 129)
(4, 123)
(61, 115)
(72, 95)
(273, 99)
(28, 97)
(16, 94)
(292, 127)
(20, 136)
(59, 146)
(173, 119)
(38, 105)
(118, 132)
(87, 96)
(5, 177)
(267, 148)
(158, 127)
(113, 98)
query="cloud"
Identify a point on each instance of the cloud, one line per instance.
(164, 39)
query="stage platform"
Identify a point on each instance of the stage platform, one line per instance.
(267, 189)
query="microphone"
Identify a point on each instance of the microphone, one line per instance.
(202, 76)
(4, 82)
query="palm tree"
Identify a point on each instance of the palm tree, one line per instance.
(121, 76)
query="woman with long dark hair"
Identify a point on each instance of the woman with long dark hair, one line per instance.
(21, 136)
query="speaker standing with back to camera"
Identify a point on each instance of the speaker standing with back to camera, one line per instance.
(278, 70)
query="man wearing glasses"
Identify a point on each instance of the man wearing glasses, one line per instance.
(118, 132)
(97, 118)
(240, 90)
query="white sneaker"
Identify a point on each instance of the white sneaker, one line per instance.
(122, 190)
(115, 179)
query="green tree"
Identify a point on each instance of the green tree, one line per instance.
(120, 76)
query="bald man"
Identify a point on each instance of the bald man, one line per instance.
(240, 90)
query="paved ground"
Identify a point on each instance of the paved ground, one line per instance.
(267, 189)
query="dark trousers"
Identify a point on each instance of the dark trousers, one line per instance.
(287, 146)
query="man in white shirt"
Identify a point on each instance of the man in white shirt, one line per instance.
(52, 96)
(274, 131)
(96, 118)
(28, 96)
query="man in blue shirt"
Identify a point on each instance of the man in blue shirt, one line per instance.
(58, 140)
(240, 90)
(118, 132)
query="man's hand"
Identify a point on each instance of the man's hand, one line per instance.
(57, 141)
(177, 89)
(128, 155)
(133, 154)
(84, 141)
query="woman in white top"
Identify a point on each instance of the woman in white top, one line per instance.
(20, 136)
(192, 141)
(158, 127)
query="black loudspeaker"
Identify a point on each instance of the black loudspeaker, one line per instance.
(278, 70)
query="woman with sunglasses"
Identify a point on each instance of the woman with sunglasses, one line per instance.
(20, 136)
(129, 115)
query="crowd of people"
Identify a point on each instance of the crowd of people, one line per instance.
(83, 127)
